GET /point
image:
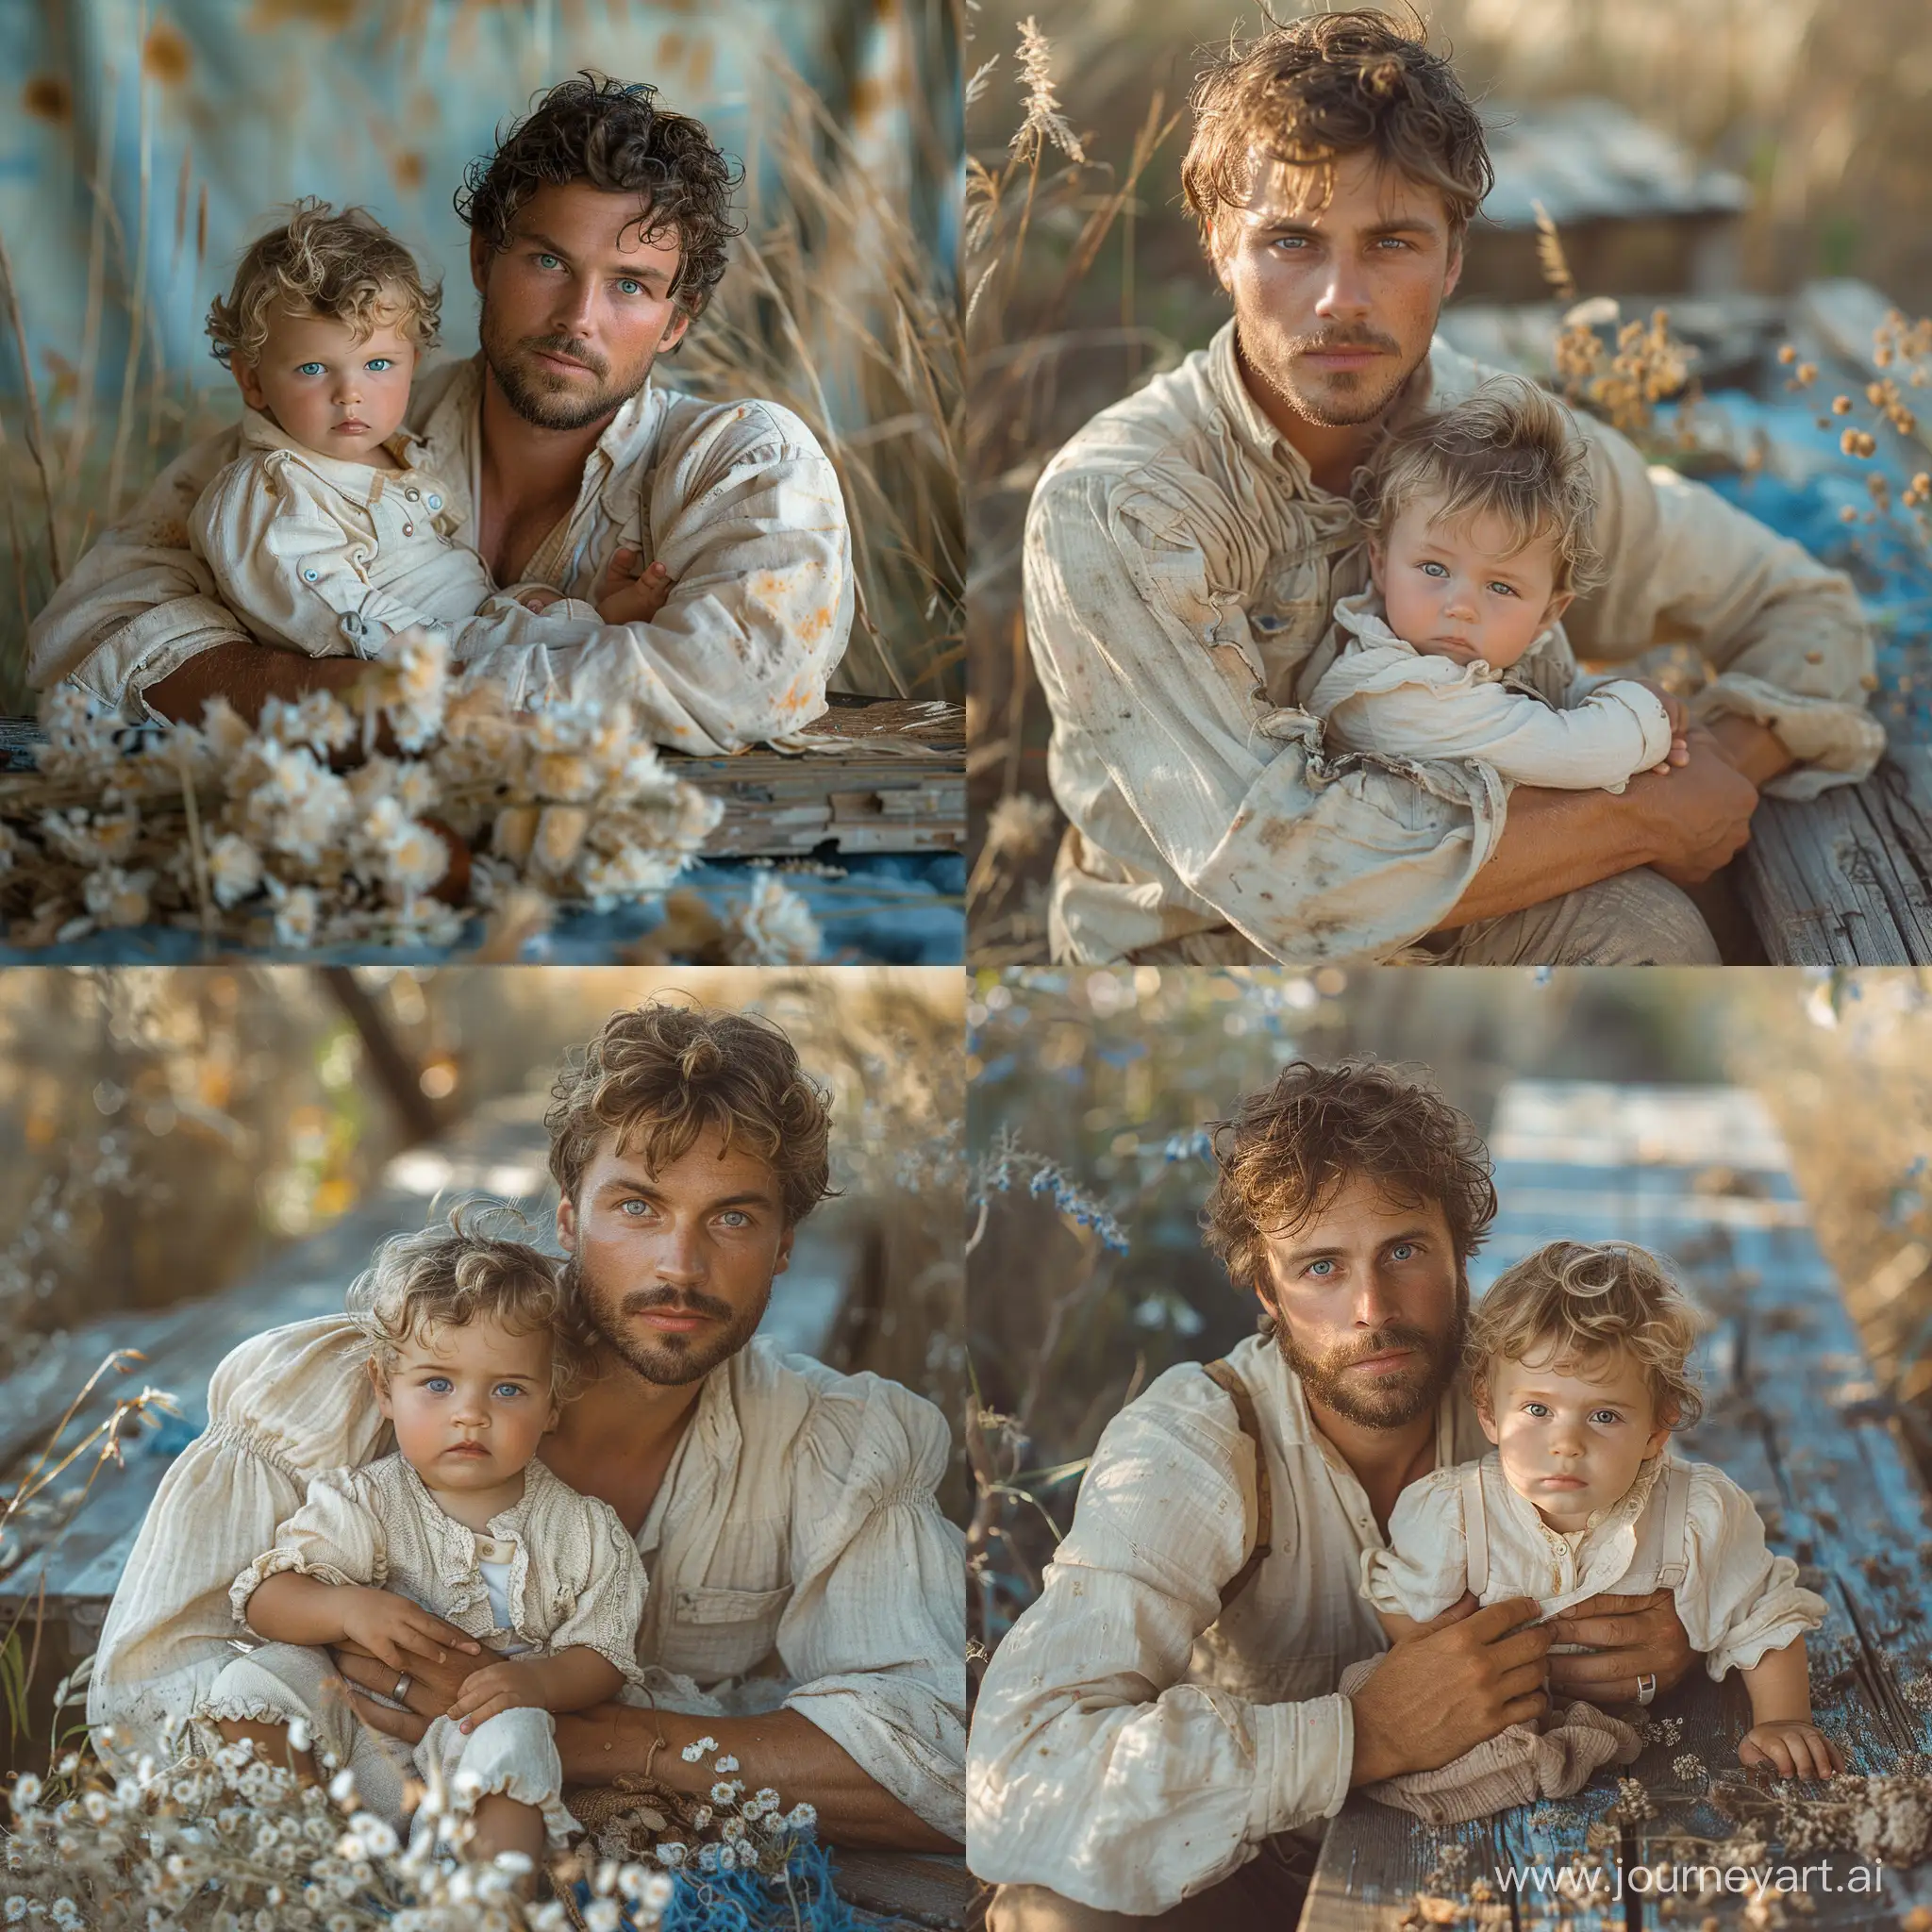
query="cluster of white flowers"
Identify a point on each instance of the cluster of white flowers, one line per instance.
(753, 1834)
(254, 833)
(231, 1844)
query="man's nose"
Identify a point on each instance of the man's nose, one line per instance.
(1374, 1304)
(1346, 296)
(680, 1259)
(571, 314)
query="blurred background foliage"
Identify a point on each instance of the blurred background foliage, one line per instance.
(164, 1132)
(1090, 1090)
(1085, 273)
(145, 142)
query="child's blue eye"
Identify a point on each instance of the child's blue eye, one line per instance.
(378, 363)
(1435, 570)
(1535, 1408)
(508, 1389)
(1606, 1416)
(438, 1385)
(309, 369)
(1506, 590)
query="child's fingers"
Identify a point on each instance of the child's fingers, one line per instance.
(486, 1710)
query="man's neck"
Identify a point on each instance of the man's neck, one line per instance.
(616, 1440)
(1332, 451)
(528, 477)
(1385, 1461)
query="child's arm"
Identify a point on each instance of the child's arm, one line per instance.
(290, 1607)
(1782, 1733)
(1396, 1626)
(571, 1680)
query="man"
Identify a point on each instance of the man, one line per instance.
(598, 232)
(1184, 552)
(807, 1607)
(1161, 1734)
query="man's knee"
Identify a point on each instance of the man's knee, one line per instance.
(1034, 1908)
(1634, 919)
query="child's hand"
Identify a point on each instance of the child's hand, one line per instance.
(631, 595)
(1793, 1747)
(511, 1684)
(396, 1630)
(1679, 753)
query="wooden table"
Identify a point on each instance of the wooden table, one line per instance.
(1700, 1175)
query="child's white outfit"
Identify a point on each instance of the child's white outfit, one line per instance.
(332, 558)
(1684, 1526)
(1541, 722)
(556, 1570)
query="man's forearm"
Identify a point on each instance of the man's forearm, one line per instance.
(1753, 749)
(1553, 842)
(247, 674)
(782, 1750)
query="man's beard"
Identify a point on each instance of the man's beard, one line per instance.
(669, 1360)
(1394, 1398)
(548, 400)
(1345, 405)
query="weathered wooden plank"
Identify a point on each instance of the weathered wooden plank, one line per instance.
(926, 1887)
(1846, 879)
(1700, 1175)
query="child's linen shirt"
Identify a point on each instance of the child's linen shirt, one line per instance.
(575, 1574)
(1541, 721)
(332, 558)
(1736, 1601)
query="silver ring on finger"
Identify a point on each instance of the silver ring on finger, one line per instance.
(402, 1689)
(1646, 1688)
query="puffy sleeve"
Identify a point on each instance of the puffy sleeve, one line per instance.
(336, 1537)
(1738, 1602)
(1425, 1567)
(284, 1407)
(609, 1594)
(874, 1633)
(1096, 1770)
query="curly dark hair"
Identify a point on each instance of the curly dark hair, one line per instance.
(1288, 1151)
(613, 135)
(1323, 87)
(660, 1074)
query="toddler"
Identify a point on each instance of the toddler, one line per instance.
(1578, 1365)
(1479, 539)
(326, 533)
(460, 1541)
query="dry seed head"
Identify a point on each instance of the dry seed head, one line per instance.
(1787, 353)
(1840, 405)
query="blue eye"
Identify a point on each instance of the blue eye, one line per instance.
(1535, 1408)
(309, 369)
(1605, 1417)
(511, 1388)
(1402, 1251)
(378, 363)
(736, 1217)
(439, 1385)
(548, 262)
(1506, 589)
(642, 1206)
(1321, 1269)
(630, 287)
(1433, 568)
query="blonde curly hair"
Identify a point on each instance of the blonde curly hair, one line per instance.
(453, 1275)
(347, 265)
(1583, 1301)
(1509, 450)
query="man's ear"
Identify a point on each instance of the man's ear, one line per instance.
(675, 331)
(567, 1225)
(1454, 273)
(1485, 1413)
(248, 380)
(784, 1257)
(480, 253)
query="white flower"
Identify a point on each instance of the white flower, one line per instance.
(692, 1753)
(560, 834)
(672, 1853)
(300, 1734)
(113, 897)
(726, 1764)
(769, 1798)
(341, 1787)
(801, 1817)
(26, 1791)
(603, 1915)
(378, 1839)
(774, 928)
(721, 1793)
(298, 916)
(654, 1895)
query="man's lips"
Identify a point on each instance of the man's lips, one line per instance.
(675, 1321)
(1388, 1359)
(563, 362)
(1342, 358)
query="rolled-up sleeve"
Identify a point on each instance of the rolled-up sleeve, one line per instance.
(1784, 634)
(745, 512)
(1094, 1770)
(1149, 671)
(874, 1633)
(140, 602)
(1740, 1602)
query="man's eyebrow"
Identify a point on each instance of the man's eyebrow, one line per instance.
(627, 1184)
(1404, 224)
(649, 272)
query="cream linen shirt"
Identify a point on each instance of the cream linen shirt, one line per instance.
(1538, 723)
(1180, 565)
(1736, 1601)
(575, 1577)
(331, 558)
(1133, 1744)
(795, 1552)
(737, 500)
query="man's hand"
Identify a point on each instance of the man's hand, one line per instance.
(433, 1686)
(400, 1634)
(631, 595)
(1465, 1676)
(1699, 818)
(511, 1684)
(1630, 1636)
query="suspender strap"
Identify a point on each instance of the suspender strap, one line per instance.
(1475, 1525)
(1228, 1380)
(1676, 1565)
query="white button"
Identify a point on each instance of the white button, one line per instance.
(409, 529)
(412, 494)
